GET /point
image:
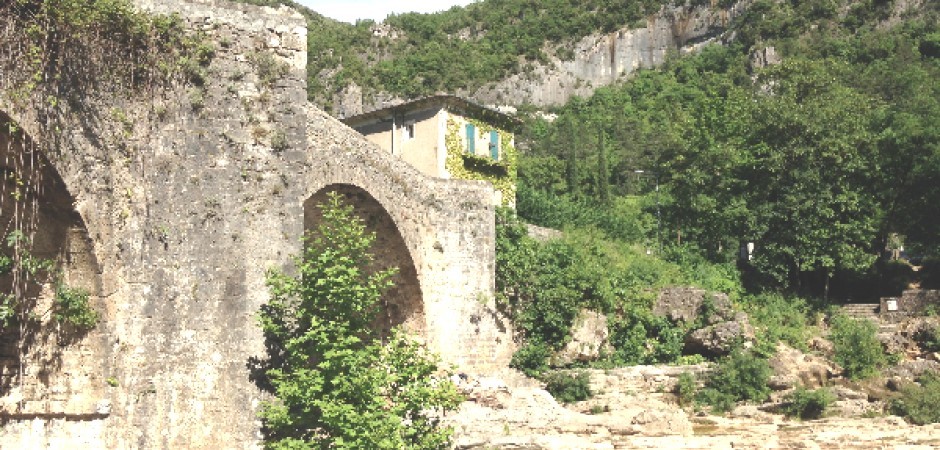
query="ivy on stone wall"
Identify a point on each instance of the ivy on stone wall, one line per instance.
(463, 166)
(64, 50)
(61, 59)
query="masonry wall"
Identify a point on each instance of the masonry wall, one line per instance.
(911, 303)
(190, 203)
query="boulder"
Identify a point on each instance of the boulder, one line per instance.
(792, 367)
(681, 304)
(720, 338)
(821, 345)
(589, 339)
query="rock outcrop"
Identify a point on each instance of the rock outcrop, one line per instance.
(589, 336)
(794, 368)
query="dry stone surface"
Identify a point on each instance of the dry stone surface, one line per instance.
(635, 410)
(792, 368)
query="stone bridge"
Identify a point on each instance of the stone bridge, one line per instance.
(170, 204)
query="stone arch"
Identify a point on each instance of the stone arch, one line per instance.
(35, 201)
(403, 304)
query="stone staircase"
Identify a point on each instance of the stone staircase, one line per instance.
(862, 311)
(869, 311)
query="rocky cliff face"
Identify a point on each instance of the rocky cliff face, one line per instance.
(598, 60)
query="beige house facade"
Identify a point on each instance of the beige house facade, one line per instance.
(447, 137)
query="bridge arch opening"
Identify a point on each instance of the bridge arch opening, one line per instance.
(38, 222)
(403, 304)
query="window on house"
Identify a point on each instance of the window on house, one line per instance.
(471, 138)
(494, 145)
(408, 131)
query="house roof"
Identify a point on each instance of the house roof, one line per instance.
(451, 102)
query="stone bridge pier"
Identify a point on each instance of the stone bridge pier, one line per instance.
(439, 233)
(170, 204)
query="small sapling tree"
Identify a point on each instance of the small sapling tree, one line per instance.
(337, 385)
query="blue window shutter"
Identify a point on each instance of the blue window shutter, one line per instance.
(494, 145)
(471, 139)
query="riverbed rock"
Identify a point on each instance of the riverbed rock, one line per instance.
(792, 367)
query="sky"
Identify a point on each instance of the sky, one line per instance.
(350, 10)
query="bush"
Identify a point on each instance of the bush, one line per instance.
(738, 377)
(918, 403)
(807, 404)
(857, 348)
(779, 318)
(621, 219)
(685, 389)
(639, 337)
(569, 387)
(531, 358)
(928, 337)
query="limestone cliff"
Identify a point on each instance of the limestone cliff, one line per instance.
(594, 61)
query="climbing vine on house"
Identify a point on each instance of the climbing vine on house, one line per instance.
(464, 166)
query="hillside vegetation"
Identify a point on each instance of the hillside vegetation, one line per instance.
(464, 47)
(823, 161)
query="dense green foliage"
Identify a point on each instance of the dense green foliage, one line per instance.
(460, 48)
(740, 376)
(568, 387)
(544, 285)
(337, 384)
(807, 404)
(780, 318)
(856, 346)
(817, 160)
(928, 337)
(918, 402)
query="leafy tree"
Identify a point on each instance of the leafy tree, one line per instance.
(810, 171)
(337, 385)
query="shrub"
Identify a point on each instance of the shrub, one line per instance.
(685, 389)
(531, 358)
(738, 377)
(807, 404)
(639, 337)
(779, 318)
(918, 403)
(928, 337)
(73, 307)
(569, 387)
(856, 345)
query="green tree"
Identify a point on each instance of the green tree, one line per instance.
(337, 385)
(811, 171)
